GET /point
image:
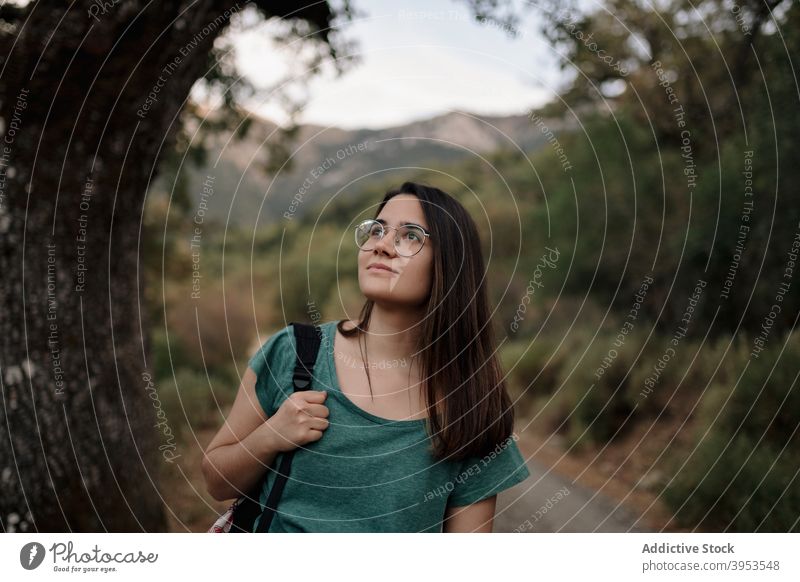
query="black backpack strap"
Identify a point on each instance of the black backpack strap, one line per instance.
(307, 340)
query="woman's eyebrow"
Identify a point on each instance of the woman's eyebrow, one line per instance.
(405, 223)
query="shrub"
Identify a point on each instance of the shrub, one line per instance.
(745, 468)
(732, 484)
(593, 405)
(191, 400)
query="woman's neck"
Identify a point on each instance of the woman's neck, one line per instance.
(392, 334)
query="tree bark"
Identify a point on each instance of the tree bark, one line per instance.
(83, 441)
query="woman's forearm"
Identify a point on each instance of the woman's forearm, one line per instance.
(232, 470)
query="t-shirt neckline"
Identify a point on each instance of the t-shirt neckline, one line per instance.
(337, 390)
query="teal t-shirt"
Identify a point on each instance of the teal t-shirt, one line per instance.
(367, 473)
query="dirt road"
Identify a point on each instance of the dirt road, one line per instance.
(548, 502)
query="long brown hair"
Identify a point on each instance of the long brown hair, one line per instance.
(471, 412)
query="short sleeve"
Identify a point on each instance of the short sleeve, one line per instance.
(482, 477)
(271, 364)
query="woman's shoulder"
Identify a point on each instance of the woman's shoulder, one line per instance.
(345, 324)
(273, 347)
(281, 341)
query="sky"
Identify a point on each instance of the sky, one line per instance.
(417, 61)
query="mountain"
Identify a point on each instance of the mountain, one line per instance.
(330, 161)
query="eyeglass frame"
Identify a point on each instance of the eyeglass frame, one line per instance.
(384, 227)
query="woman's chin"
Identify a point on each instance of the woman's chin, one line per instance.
(380, 293)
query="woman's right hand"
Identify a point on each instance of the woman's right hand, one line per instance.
(300, 419)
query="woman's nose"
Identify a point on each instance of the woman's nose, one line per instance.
(386, 244)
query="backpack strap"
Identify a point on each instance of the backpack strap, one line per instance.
(307, 340)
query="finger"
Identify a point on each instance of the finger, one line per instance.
(313, 396)
(318, 410)
(318, 423)
(314, 435)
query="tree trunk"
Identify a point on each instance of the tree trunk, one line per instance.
(83, 442)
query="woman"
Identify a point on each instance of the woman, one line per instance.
(408, 426)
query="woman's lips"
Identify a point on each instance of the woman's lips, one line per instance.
(377, 269)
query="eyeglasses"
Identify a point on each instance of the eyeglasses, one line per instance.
(408, 241)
